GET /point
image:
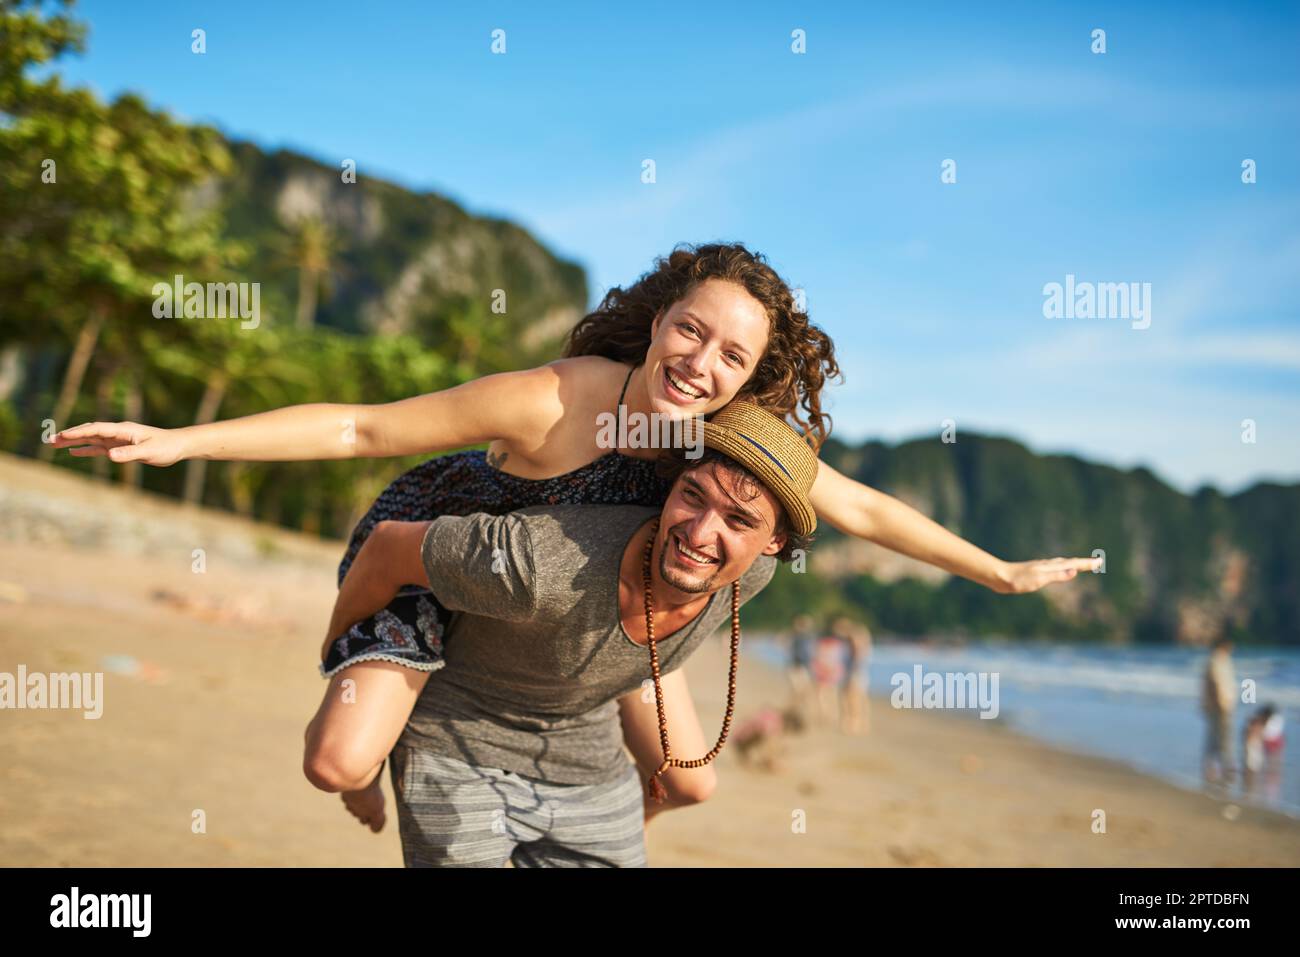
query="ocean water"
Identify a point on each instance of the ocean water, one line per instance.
(1140, 706)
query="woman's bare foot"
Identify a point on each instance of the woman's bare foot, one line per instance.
(367, 805)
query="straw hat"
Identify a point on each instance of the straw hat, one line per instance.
(773, 451)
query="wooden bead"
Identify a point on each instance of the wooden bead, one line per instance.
(670, 761)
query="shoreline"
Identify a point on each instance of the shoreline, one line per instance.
(939, 789)
(771, 650)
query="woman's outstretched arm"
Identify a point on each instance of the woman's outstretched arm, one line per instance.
(859, 510)
(512, 406)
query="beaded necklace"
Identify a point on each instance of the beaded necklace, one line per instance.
(655, 788)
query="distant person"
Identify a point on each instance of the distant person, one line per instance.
(1252, 749)
(855, 715)
(1218, 701)
(1273, 742)
(1273, 738)
(829, 668)
(803, 637)
(1262, 751)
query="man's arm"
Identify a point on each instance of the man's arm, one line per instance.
(640, 719)
(482, 564)
(478, 563)
(389, 559)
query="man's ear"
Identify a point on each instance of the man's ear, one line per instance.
(654, 325)
(775, 545)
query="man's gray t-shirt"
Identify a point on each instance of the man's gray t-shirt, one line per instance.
(536, 654)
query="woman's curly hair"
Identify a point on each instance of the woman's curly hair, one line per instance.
(799, 357)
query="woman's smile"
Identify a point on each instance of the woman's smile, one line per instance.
(679, 389)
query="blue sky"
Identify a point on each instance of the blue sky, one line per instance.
(1115, 167)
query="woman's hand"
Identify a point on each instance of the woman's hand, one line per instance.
(124, 442)
(1020, 578)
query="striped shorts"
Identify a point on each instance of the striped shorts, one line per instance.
(453, 814)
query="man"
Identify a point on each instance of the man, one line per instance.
(514, 750)
(803, 636)
(856, 714)
(1218, 702)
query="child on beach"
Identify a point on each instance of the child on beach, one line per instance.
(1272, 734)
(1252, 747)
(1262, 750)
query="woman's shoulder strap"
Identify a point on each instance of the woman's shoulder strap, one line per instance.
(625, 382)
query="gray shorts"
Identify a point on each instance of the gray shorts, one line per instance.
(453, 814)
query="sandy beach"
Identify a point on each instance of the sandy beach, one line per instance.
(207, 628)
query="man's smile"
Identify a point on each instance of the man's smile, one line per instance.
(689, 556)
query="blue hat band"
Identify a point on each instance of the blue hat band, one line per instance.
(775, 460)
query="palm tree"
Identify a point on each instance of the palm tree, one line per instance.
(311, 247)
(84, 256)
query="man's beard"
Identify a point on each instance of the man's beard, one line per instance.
(680, 581)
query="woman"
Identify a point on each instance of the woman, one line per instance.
(706, 325)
